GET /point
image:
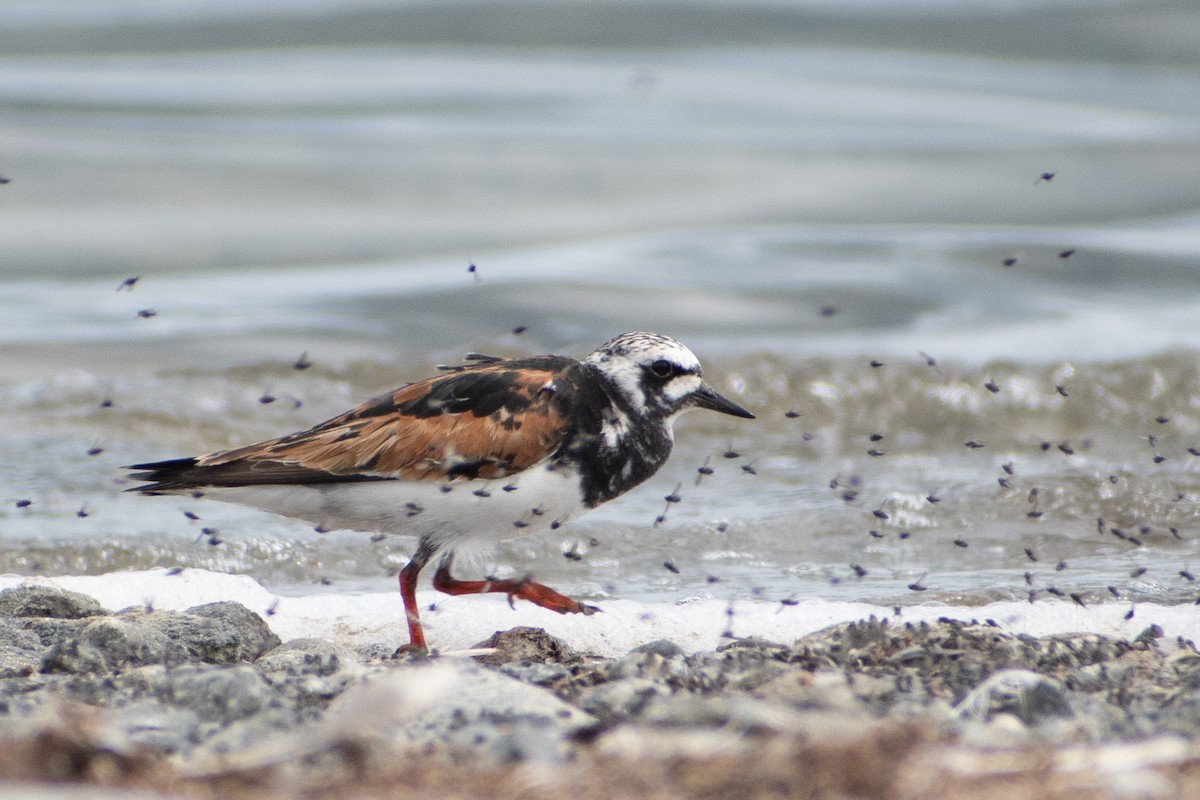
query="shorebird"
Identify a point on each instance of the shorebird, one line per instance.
(482, 453)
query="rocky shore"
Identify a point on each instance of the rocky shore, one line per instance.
(209, 702)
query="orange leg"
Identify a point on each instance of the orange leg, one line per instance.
(524, 589)
(408, 593)
(443, 581)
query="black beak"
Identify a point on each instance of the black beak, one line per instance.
(707, 398)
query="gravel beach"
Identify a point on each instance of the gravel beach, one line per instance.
(209, 702)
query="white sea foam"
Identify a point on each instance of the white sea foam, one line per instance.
(460, 622)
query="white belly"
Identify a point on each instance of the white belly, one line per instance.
(483, 511)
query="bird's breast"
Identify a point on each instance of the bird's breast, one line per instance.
(622, 456)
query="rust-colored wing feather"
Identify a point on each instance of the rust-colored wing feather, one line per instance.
(485, 421)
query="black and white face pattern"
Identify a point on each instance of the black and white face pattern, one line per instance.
(658, 378)
(656, 375)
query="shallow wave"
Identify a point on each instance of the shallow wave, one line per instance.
(888, 483)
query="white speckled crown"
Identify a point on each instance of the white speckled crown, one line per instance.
(643, 347)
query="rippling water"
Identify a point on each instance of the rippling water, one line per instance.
(795, 191)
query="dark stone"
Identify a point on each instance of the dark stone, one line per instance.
(649, 664)
(310, 672)
(50, 632)
(47, 601)
(316, 657)
(660, 647)
(20, 650)
(216, 633)
(525, 645)
(221, 694)
(109, 644)
(175, 709)
(213, 694)
(1030, 697)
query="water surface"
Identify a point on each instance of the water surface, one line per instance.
(794, 190)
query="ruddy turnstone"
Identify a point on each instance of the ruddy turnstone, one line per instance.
(485, 452)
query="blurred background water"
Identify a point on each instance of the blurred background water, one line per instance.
(794, 189)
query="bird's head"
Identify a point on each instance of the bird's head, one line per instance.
(658, 376)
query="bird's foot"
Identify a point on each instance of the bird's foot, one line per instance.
(523, 589)
(542, 595)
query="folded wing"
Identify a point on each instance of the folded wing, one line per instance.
(484, 421)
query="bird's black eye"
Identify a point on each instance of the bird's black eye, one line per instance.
(662, 368)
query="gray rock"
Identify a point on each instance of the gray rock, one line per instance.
(23, 696)
(109, 644)
(623, 688)
(21, 650)
(255, 636)
(49, 631)
(1185, 666)
(47, 601)
(1180, 715)
(216, 633)
(621, 699)
(551, 676)
(132, 686)
(311, 656)
(650, 664)
(417, 708)
(375, 651)
(34, 619)
(221, 694)
(527, 646)
(660, 647)
(744, 664)
(174, 709)
(511, 741)
(18, 661)
(1029, 696)
(1094, 719)
(448, 705)
(229, 740)
(310, 671)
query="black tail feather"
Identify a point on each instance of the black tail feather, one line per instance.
(186, 474)
(164, 476)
